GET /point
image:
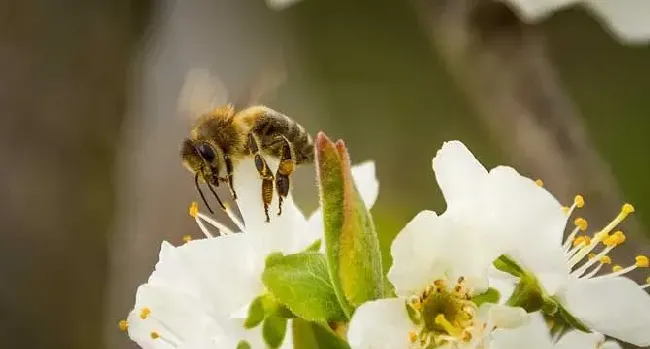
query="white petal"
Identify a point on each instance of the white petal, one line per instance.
(530, 222)
(534, 335)
(228, 269)
(460, 176)
(611, 345)
(579, 340)
(365, 179)
(503, 316)
(533, 11)
(431, 247)
(502, 282)
(617, 307)
(629, 20)
(382, 324)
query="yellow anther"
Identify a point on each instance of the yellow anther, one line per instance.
(605, 260)
(144, 313)
(413, 336)
(627, 209)
(539, 182)
(642, 261)
(565, 209)
(579, 240)
(591, 255)
(187, 238)
(194, 209)
(581, 223)
(617, 268)
(154, 335)
(123, 325)
(441, 321)
(579, 201)
(647, 281)
(619, 236)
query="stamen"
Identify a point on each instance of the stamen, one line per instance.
(539, 182)
(602, 235)
(223, 230)
(194, 209)
(154, 335)
(203, 228)
(448, 326)
(647, 283)
(413, 336)
(144, 313)
(187, 238)
(642, 261)
(123, 325)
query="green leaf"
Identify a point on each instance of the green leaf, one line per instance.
(301, 283)
(351, 243)
(311, 335)
(508, 265)
(243, 345)
(492, 295)
(273, 331)
(314, 247)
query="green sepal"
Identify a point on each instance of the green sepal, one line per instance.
(491, 295)
(313, 335)
(274, 329)
(256, 313)
(508, 265)
(351, 242)
(301, 283)
(413, 315)
(243, 345)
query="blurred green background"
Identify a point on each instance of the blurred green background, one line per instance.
(92, 183)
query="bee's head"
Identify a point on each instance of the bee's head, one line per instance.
(202, 158)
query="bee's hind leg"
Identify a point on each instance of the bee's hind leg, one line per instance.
(285, 169)
(265, 173)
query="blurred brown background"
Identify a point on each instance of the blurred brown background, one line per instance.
(90, 178)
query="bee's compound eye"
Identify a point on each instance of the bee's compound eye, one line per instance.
(206, 152)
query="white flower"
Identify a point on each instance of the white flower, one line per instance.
(439, 264)
(628, 20)
(536, 335)
(199, 294)
(529, 224)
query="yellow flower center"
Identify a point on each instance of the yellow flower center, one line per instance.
(443, 314)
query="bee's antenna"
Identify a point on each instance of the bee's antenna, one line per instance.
(216, 196)
(198, 188)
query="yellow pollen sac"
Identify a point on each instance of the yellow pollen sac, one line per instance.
(605, 260)
(617, 268)
(144, 313)
(123, 325)
(581, 223)
(413, 336)
(579, 201)
(601, 235)
(539, 182)
(642, 261)
(187, 238)
(194, 209)
(627, 209)
(619, 236)
(154, 335)
(579, 240)
(591, 255)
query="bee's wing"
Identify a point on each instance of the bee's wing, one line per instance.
(201, 92)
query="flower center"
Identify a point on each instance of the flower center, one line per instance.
(444, 314)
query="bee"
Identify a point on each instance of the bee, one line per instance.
(224, 136)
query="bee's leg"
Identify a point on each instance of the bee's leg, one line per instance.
(229, 172)
(285, 169)
(265, 173)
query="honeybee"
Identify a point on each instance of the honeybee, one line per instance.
(224, 136)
